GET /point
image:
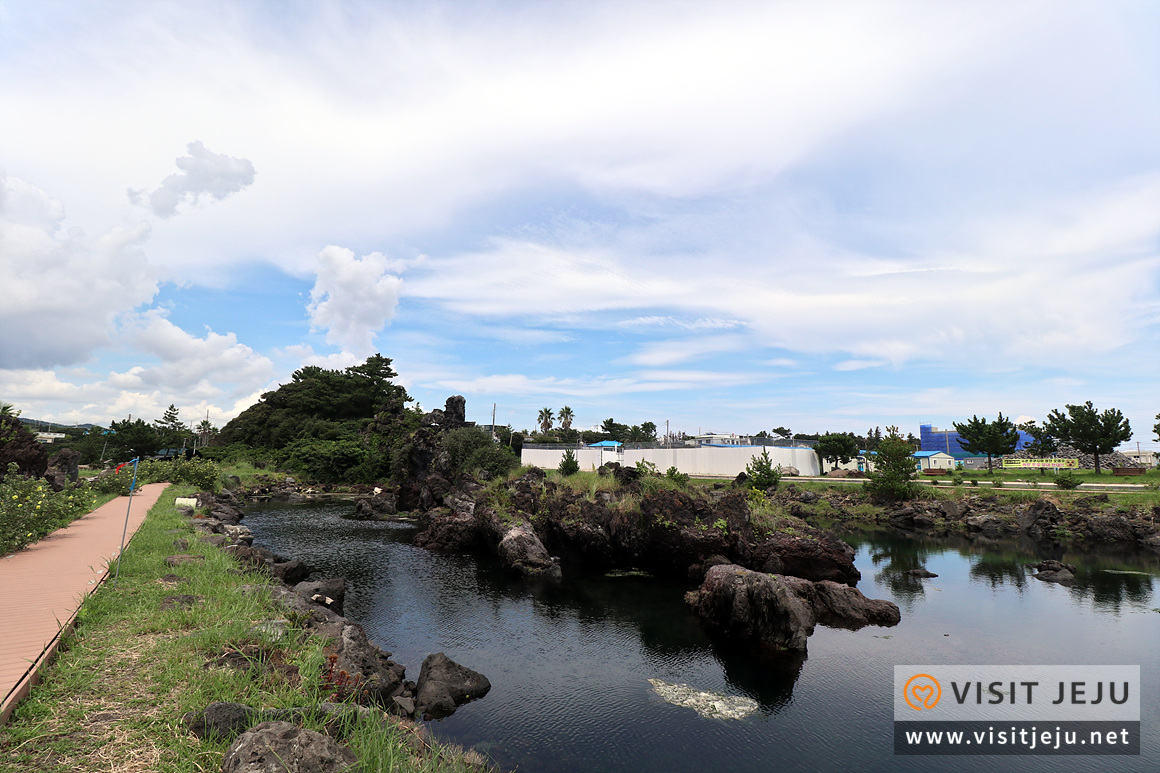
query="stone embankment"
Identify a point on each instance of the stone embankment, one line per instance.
(1083, 521)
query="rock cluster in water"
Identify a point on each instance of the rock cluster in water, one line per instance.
(780, 612)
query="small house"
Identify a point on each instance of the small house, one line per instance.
(933, 460)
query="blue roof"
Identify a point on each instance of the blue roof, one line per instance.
(606, 444)
(926, 454)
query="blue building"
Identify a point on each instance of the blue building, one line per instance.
(947, 440)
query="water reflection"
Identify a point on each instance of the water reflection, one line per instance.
(570, 665)
(1107, 577)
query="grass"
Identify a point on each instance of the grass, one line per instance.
(114, 698)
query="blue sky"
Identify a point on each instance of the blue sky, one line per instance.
(825, 215)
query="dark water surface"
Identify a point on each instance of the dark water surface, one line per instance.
(569, 666)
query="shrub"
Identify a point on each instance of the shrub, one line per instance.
(957, 478)
(569, 465)
(893, 475)
(202, 473)
(761, 473)
(676, 476)
(646, 468)
(1067, 480)
(326, 461)
(496, 460)
(30, 509)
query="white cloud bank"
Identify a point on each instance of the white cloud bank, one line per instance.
(203, 173)
(354, 298)
(62, 292)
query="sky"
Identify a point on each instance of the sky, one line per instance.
(725, 217)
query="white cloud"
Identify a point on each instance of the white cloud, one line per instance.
(353, 298)
(203, 173)
(849, 365)
(336, 361)
(62, 292)
(192, 365)
(671, 352)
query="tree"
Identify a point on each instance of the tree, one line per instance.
(978, 436)
(132, 439)
(1042, 444)
(565, 417)
(319, 403)
(1090, 431)
(1156, 429)
(649, 430)
(837, 447)
(785, 433)
(614, 429)
(568, 464)
(18, 445)
(893, 473)
(206, 431)
(761, 473)
(170, 430)
(545, 419)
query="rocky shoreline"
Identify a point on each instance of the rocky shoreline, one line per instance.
(358, 674)
(792, 582)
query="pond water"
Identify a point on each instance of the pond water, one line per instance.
(570, 666)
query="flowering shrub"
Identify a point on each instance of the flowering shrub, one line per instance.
(201, 473)
(30, 509)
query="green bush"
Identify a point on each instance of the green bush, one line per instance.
(470, 449)
(30, 509)
(893, 474)
(568, 464)
(646, 468)
(496, 460)
(957, 478)
(676, 476)
(204, 474)
(761, 473)
(326, 461)
(1067, 480)
(232, 453)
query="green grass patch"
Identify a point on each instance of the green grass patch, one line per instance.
(114, 698)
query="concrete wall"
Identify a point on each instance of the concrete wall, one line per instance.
(702, 462)
(549, 458)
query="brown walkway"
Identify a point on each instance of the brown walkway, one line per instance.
(42, 587)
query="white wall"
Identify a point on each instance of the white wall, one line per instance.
(549, 458)
(701, 462)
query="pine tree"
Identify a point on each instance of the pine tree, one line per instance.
(977, 436)
(1090, 431)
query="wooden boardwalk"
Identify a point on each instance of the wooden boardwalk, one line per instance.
(42, 587)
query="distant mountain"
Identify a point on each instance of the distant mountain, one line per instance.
(46, 426)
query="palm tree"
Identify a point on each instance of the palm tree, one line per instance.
(545, 419)
(7, 409)
(566, 417)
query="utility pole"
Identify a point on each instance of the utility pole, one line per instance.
(493, 422)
